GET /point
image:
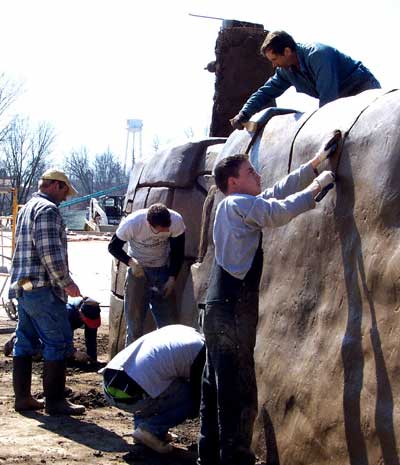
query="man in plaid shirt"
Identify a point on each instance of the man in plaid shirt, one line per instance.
(41, 282)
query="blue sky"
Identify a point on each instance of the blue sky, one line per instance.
(88, 65)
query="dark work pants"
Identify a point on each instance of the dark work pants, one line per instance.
(229, 391)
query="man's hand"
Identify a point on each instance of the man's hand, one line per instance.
(136, 267)
(325, 179)
(237, 121)
(169, 286)
(327, 149)
(72, 290)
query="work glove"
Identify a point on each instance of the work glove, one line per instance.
(136, 267)
(329, 148)
(237, 121)
(325, 179)
(169, 286)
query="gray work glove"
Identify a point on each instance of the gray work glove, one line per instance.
(325, 179)
(169, 286)
(238, 120)
(136, 267)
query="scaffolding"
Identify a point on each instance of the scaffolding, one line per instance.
(7, 243)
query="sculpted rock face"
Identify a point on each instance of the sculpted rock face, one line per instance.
(327, 353)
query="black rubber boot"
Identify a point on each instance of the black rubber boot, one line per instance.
(54, 390)
(22, 379)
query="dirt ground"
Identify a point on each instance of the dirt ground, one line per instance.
(101, 436)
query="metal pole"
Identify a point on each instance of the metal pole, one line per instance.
(14, 191)
(133, 149)
(126, 149)
(206, 17)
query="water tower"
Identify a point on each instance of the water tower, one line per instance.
(134, 126)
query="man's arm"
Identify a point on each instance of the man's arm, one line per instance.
(293, 182)
(177, 254)
(51, 250)
(176, 257)
(304, 175)
(115, 247)
(273, 212)
(274, 87)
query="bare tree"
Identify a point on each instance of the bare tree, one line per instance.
(24, 155)
(108, 171)
(9, 91)
(77, 166)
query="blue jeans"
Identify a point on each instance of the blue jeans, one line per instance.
(170, 408)
(43, 325)
(142, 294)
(229, 391)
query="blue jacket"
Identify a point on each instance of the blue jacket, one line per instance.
(325, 73)
(76, 322)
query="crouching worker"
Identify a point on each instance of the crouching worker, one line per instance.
(85, 313)
(158, 379)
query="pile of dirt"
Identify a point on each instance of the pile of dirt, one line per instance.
(91, 399)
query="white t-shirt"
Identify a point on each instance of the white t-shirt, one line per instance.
(158, 358)
(149, 248)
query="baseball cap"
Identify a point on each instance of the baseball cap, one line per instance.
(90, 313)
(55, 175)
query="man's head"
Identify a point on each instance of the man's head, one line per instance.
(236, 175)
(89, 312)
(279, 48)
(159, 217)
(56, 185)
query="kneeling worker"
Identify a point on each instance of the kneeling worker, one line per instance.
(82, 313)
(158, 379)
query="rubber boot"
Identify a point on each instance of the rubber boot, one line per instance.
(22, 379)
(54, 390)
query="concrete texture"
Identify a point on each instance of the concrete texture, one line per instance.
(327, 353)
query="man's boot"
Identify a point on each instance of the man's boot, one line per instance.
(22, 379)
(54, 390)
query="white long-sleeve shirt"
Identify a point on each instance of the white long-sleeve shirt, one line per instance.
(240, 218)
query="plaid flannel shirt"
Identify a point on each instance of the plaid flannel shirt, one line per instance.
(40, 254)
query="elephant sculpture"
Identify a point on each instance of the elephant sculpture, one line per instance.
(327, 353)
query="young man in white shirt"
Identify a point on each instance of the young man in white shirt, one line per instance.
(156, 249)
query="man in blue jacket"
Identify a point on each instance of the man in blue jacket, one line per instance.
(315, 69)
